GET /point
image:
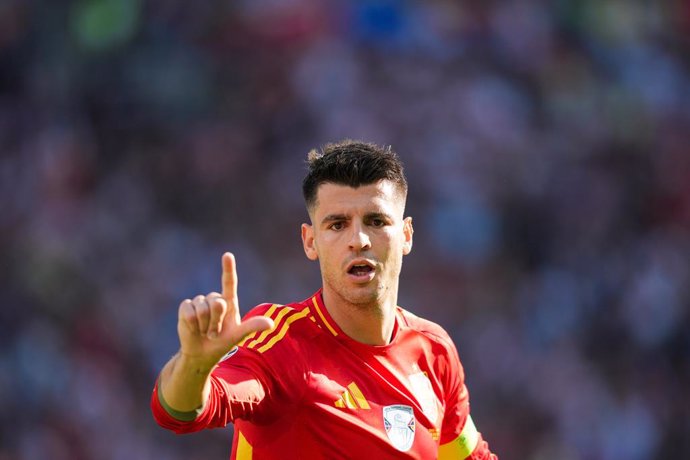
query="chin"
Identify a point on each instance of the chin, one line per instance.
(362, 296)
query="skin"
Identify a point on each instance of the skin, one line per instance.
(348, 224)
(353, 225)
(208, 327)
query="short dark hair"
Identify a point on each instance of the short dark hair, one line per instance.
(352, 163)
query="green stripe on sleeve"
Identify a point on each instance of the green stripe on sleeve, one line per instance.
(176, 414)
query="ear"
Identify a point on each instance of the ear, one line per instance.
(407, 231)
(308, 242)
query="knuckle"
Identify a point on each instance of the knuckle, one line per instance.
(201, 305)
(218, 307)
(189, 315)
(185, 308)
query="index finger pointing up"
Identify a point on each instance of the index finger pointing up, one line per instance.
(229, 280)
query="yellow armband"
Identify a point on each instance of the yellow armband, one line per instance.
(462, 446)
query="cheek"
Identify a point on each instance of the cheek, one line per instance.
(324, 249)
(394, 240)
(396, 249)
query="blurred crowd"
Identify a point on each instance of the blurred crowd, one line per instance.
(547, 145)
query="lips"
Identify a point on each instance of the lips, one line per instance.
(361, 268)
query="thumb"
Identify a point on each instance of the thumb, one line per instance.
(254, 324)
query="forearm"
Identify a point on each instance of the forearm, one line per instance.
(208, 327)
(184, 383)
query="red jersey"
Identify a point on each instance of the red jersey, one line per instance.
(306, 390)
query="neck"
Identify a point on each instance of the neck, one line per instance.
(368, 323)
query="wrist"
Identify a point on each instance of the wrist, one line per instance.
(194, 364)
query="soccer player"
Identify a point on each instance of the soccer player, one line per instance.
(344, 374)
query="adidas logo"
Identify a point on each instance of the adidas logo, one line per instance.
(352, 398)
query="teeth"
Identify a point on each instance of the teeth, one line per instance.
(360, 267)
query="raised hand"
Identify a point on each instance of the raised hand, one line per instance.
(209, 326)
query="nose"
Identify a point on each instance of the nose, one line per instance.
(359, 240)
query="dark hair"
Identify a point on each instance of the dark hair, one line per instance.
(352, 163)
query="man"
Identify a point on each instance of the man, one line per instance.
(344, 374)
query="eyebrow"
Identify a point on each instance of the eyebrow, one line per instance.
(378, 215)
(367, 216)
(334, 217)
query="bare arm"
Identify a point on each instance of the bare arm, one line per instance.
(208, 327)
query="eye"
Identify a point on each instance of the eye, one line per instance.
(378, 222)
(336, 226)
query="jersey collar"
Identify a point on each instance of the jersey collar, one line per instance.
(323, 319)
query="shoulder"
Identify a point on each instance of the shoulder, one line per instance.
(446, 359)
(276, 311)
(287, 320)
(431, 330)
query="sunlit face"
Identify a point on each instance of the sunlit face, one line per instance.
(359, 237)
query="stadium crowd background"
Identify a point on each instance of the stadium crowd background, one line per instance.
(547, 145)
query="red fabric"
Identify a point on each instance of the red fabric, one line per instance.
(282, 398)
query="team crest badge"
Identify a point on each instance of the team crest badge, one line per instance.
(398, 420)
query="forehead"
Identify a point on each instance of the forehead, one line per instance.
(381, 196)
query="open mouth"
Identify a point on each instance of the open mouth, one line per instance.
(360, 269)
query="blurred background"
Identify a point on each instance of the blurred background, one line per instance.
(547, 145)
